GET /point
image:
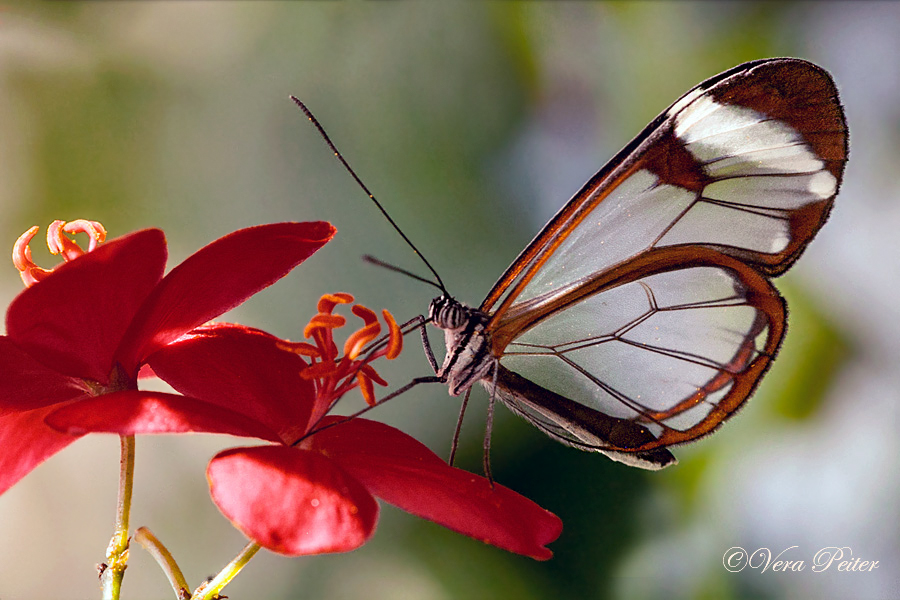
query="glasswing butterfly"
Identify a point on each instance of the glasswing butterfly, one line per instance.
(643, 315)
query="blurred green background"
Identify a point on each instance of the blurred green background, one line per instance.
(473, 123)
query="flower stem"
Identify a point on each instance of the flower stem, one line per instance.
(157, 549)
(117, 552)
(210, 590)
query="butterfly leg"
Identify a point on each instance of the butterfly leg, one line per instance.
(429, 353)
(488, 429)
(459, 422)
(359, 413)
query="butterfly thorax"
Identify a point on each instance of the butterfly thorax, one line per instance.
(469, 356)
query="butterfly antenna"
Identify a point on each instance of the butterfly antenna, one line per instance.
(340, 157)
(377, 261)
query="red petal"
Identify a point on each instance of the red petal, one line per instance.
(291, 501)
(217, 278)
(74, 319)
(241, 369)
(26, 442)
(402, 471)
(133, 412)
(146, 372)
(27, 384)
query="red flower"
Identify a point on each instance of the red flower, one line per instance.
(85, 329)
(313, 490)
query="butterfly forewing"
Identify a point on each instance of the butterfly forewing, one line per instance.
(748, 161)
(647, 299)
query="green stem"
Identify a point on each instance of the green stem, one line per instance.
(210, 590)
(117, 552)
(157, 549)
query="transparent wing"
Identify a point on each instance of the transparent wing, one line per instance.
(747, 163)
(643, 316)
(675, 351)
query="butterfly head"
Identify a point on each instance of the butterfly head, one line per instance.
(447, 313)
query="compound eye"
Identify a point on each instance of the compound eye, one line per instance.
(453, 316)
(436, 308)
(447, 313)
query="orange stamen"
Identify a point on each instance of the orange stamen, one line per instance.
(323, 321)
(395, 342)
(61, 244)
(358, 340)
(366, 314)
(301, 348)
(94, 229)
(21, 256)
(372, 374)
(58, 243)
(319, 370)
(366, 388)
(329, 301)
(334, 378)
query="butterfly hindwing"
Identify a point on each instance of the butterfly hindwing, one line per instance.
(676, 350)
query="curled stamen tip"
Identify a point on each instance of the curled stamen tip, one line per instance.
(21, 257)
(56, 241)
(329, 301)
(323, 321)
(366, 314)
(94, 229)
(358, 339)
(59, 243)
(21, 254)
(372, 374)
(395, 341)
(367, 389)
